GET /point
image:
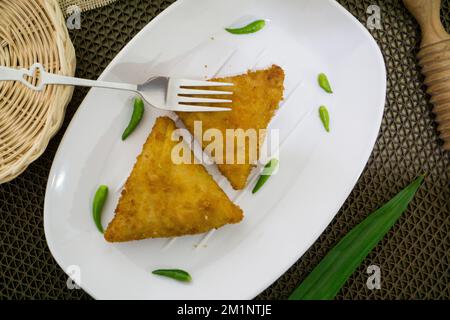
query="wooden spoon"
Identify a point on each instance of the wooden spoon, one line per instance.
(434, 58)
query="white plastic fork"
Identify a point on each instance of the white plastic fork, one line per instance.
(164, 93)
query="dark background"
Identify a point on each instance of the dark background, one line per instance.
(413, 257)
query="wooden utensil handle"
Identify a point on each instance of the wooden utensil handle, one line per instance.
(434, 57)
(427, 14)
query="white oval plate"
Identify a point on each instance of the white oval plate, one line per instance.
(317, 169)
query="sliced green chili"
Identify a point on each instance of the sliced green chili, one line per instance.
(325, 117)
(324, 83)
(97, 207)
(325, 281)
(269, 168)
(250, 28)
(136, 117)
(176, 274)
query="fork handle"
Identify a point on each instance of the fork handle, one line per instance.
(65, 80)
(51, 78)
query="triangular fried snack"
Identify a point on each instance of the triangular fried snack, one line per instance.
(164, 199)
(256, 96)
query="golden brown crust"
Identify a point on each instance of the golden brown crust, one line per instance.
(256, 96)
(163, 199)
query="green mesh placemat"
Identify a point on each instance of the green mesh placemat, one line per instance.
(413, 257)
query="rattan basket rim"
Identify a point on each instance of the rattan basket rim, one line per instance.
(31, 119)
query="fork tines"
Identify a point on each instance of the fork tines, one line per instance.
(187, 90)
(200, 83)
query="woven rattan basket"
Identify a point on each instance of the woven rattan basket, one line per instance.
(31, 31)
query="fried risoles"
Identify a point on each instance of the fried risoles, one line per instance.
(256, 96)
(163, 199)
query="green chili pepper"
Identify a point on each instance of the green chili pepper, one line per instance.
(176, 274)
(323, 83)
(325, 117)
(97, 207)
(250, 28)
(136, 117)
(325, 281)
(269, 168)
